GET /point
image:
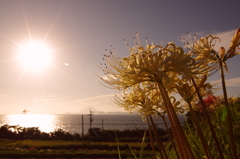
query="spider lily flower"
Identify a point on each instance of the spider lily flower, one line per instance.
(223, 56)
(220, 58)
(204, 48)
(150, 64)
(233, 45)
(188, 92)
(202, 51)
(141, 100)
(222, 62)
(210, 100)
(153, 64)
(185, 91)
(232, 100)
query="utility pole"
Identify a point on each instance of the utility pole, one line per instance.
(102, 124)
(91, 119)
(82, 130)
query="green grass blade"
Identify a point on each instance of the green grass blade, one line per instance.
(142, 146)
(119, 153)
(132, 152)
(224, 113)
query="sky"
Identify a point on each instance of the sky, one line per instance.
(78, 31)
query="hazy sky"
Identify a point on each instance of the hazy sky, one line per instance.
(79, 31)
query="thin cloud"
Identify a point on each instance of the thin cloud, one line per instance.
(101, 98)
(224, 36)
(102, 103)
(233, 82)
(46, 99)
(225, 39)
(2, 96)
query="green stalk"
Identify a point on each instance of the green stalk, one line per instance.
(192, 139)
(200, 133)
(151, 139)
(159, 142)
(175, 133)
(170, 137)
(208, 121)
(229, 119)
(187, 149)
(119, 153)
(132, 152)
(142, 146)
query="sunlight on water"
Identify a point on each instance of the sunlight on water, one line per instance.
(44, 122)
(74, 123)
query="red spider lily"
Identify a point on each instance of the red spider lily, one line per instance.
(209, 101)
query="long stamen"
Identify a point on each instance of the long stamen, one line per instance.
(138, 39)
(127, 46)
(134, 40)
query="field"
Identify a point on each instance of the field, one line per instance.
(68, 149)
(24, 143)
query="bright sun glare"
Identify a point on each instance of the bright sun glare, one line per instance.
(34, 55)
(44, 122)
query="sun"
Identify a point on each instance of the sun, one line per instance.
(34, 55)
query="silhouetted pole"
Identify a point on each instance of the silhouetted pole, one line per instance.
(91, 120)
(102, 124)
(82, 130)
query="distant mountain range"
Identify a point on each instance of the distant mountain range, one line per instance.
(88, 109)
(95, 111)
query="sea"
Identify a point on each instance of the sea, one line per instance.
(80, 123)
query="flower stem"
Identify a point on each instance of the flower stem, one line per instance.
(200, 132)
(176, 125)
(229, 120)
(209, 121)
(151, 139)
(175, 133)
(159, 141)
(170, 137)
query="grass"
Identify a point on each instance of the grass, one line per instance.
(67, 149)
(218, 118)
